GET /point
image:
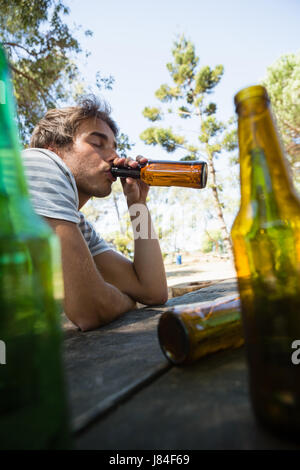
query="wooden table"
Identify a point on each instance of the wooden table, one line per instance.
(124, 394)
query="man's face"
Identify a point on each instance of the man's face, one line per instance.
(91, 157)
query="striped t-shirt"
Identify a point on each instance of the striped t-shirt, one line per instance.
(54, 194)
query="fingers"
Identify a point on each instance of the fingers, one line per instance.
(141, 159)
(129, 181)
(122, 161)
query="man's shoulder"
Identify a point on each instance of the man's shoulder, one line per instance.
(44, 158)
(51, 185)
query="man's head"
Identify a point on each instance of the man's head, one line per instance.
(84, 136)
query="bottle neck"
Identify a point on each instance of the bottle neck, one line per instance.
(259, 146)
(119, 172)
(12, 179)
(263, 201)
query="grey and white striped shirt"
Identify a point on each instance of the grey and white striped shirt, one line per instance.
(54, 194)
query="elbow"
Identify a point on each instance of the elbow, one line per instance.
(163, 299)
(88, 324)
(156, 298)
(86, 321)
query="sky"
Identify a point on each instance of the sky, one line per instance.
(132, 41)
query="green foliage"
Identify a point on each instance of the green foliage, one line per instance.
(164, 137)
(185, 61)
(191, 88)
(42, 53)
(153, 114)
(206, 79)
(188, 158)
(210, 127)
(124, 145)
(230, 140)
(122, 242)
(184, 112)
(283, 84)
(210, 109)
(104, 82)
(40, 48)
(213, 241)
(166, 93)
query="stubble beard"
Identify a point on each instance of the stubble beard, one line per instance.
(96, 192)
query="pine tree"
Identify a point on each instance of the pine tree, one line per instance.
(190, 93)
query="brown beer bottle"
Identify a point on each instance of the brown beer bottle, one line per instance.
(190, 174)
(189, 332)
(266, 244)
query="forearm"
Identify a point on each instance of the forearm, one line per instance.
(89, 300)
(148, 261)
(95, 302)
(112, 304)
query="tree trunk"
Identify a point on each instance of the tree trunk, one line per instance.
(213, 240)
(118, 213)
(225, 234)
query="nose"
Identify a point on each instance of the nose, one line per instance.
(111, 155)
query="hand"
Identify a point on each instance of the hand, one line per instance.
(135, 190)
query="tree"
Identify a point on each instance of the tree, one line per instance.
(43, 56)
(283, 84)
(190, 92)
(42, 53)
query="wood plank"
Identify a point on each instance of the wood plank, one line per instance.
(202, 406)
(106, 365)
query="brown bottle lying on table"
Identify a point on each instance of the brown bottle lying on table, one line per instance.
(189, 332)
(191, 174)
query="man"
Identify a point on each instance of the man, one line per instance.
(72, 152)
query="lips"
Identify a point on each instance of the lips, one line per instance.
(110, 176)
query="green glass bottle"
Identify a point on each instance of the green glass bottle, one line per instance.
(266, 245)
(33, 406)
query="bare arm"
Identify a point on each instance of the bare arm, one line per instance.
(144, 279)
(89, 301)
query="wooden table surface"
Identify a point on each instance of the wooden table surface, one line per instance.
(124, 394)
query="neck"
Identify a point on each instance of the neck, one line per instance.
(83, 199)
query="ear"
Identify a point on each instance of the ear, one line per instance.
(54, 150)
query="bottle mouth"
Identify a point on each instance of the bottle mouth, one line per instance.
(204, 174)
(173, 338)
(256, 91)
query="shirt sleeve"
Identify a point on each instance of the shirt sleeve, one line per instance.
(95, 243)
(51, 191)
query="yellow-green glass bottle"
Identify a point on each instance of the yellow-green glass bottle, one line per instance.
(187, 333)
(33, 405)
(266, 245)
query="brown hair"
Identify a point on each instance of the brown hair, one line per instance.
(58, 127)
